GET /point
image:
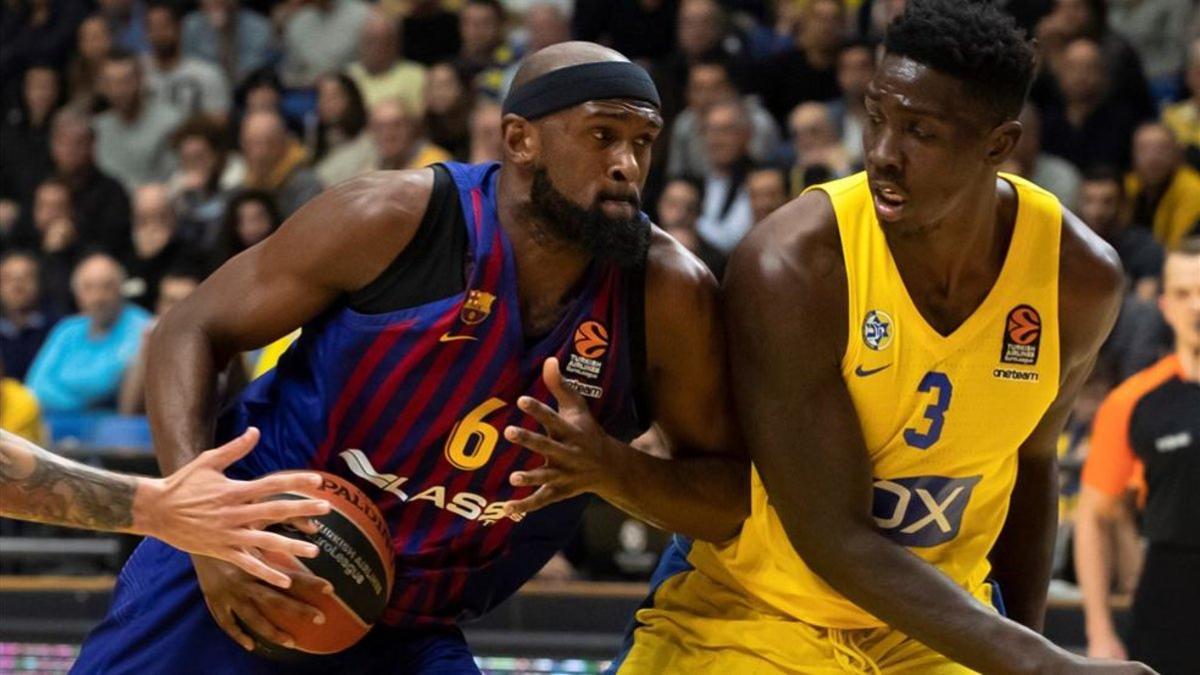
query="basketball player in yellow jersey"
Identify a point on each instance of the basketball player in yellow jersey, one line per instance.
(906, 344)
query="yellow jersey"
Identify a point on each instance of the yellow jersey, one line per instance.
(942, 416)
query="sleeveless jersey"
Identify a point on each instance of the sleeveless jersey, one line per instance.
(410, 405)
(942, 416)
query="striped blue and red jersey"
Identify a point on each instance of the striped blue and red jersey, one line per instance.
(411, 405)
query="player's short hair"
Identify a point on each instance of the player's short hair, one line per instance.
(970, 40)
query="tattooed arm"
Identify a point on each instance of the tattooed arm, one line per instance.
(196, 509)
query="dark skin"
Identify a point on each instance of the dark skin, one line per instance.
(938, 158)
(691, 484)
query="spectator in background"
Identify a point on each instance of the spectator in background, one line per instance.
(855, 68)
(25, 142)
(726, 215)
(1051, 172)
(710, 81)
(768, 190)
(636, 28)
(430, 32)
(1158, 31)
(94, 43)
(1183, 118)
(399, 144)
(188, 84)
(340, 146)
(275, 162)
(58, 242)
(679, 208)
(251, 217)
(36, 31)
(82, 361)
(127, 23)
(133, 137)
(236, 40)
(808, 73)
(24, 321)
(156, 248)
(321, 37)
(177, 283)
(93, 192)
(448, 108)
(1091, 124)
(1147, 433)
(819, 155)
(1102, 206)
(483, 54)
(1071, 20)
(487, 136)
(200, 185)
(380, 72)
(1165, 192)
(700, 33)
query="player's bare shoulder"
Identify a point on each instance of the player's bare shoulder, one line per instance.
(349, 233)
(1091, 283)
(797, 247)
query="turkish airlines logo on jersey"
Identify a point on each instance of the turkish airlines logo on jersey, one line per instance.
(1022, 336)
(921, 511)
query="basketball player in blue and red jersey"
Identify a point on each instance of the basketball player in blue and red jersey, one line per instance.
(479, 342)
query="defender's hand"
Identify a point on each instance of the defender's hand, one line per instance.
(1106, 646)
(229, 592)
(198, 510)
(575, 446)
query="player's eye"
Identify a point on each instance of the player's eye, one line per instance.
(602, 135)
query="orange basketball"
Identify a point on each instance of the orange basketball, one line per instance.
(355, 556)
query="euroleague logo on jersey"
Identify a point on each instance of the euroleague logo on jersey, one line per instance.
(591, 339)
(1022, 336)
(590, 344)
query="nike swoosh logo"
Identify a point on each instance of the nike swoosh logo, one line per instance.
(447, 337)
(867, 373)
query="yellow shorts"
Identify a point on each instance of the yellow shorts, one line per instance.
(697, 626)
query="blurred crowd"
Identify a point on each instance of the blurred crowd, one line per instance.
(145, 142)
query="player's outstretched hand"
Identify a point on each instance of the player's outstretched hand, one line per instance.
(199, 510)
(574, 444)
(232, 594)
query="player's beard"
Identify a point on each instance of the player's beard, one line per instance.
(622, 241)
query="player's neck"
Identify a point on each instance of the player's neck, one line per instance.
(942, 252)
(547, 268)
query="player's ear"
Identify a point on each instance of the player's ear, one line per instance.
(1002, 141)
(520, 140)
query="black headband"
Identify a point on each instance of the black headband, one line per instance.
(566, 87)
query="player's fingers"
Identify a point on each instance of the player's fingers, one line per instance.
(541, 498)
(545, 415)
(224, 618)
(277, 483)
(279, 603)
(533, 477)
(566, 396)
(251, 614)
(257, 568)
(543, 445)
(309, 583)
(270, 541)
(280, 511)
(232, 451)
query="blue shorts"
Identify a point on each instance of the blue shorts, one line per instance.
(159, 623)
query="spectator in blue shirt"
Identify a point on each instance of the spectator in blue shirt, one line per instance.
(23, 323)
(83, 360)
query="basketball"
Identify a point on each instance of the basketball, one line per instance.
(355, 556)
